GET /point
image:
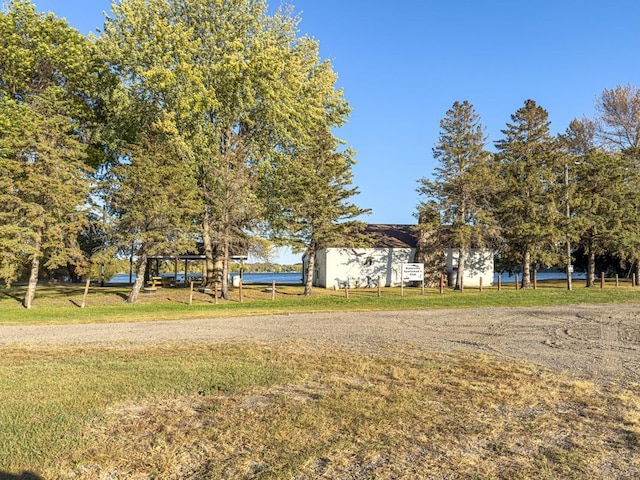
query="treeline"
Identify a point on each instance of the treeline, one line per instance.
(539, 199)
(267, 268)
(186, 124)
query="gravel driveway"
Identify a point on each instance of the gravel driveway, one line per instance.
(596, 342)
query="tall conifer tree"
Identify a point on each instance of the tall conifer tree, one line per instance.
(311, 200)
(528, 208)
(45, 102)
(618, 130)
(463, 184)
(154, 199)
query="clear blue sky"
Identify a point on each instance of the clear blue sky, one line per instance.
(403, 64)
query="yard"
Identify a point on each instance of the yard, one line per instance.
(489, 392)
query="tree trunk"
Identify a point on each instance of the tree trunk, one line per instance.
(526, 269)
(222, 260)
(210, 274)
(222, 273)
(73, 275)
(33, 276)
(462, 257)
(311, 265)
(591, 265)
(137, 285)
(429, 250)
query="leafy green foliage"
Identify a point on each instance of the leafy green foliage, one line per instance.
(242, 87)
(600, 192)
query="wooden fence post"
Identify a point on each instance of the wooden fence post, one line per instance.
(346, 290)
(618, 281)
(240, 289)
(191, 293)
(601, 279)
(517, 286)
(215, 293)
(379, 288)
(441, 283)
(273, 291)
(499, 281)
(481, 284)
(86, 292)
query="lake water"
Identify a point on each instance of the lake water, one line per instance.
(267, 278)
(288, 278)
(296, 278)
(542, 275)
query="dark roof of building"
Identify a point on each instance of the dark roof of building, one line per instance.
(392, 236)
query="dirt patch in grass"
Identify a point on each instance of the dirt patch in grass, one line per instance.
(404, 414)
(594, 342)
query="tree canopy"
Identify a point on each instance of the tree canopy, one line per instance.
(184, 109)
(46, 100)
(211, 122)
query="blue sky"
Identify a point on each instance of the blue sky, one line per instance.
(403, 64)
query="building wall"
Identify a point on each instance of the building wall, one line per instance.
(320, 268)
(361, 267)
(479, 264)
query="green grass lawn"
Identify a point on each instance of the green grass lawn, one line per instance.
(60, 304)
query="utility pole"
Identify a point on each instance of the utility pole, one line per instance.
(568, 215)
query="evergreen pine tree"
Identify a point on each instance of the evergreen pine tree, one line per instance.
(464, 183)
(45, 103)
(528, 203)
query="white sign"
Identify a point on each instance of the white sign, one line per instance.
(412, 272)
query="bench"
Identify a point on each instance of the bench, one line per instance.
(153, 288)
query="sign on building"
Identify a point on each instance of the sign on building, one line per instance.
(412, 272)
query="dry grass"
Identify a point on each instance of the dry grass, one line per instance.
(328, 413)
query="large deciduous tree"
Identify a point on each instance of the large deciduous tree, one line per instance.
(45, 103)
(463, 184)
(528, 209)
(618, 130)
(618, 119)
(242, 85)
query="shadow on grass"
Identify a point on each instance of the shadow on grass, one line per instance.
(20, 476)
(10, 294)
(97, 292)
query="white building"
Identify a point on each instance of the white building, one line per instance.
(393, 245)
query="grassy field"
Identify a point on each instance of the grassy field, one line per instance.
(60, 304)
(301, 410)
